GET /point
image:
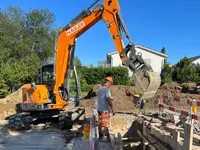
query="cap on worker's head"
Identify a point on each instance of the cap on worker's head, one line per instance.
(137, 95)
(109, 79)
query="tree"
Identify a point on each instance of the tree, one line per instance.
(166, 73)
(77, 63)
(164, 52)
(185, 71)
(3, 87)
(27, 40)
(39, 24)
(198, 71)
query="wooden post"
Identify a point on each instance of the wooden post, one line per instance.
(188, 136)
(176, 136)
(145, 134)
(120, 146)
(176, 139)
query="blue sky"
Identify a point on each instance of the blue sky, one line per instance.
(174, 24)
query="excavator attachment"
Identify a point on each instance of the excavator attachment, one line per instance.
(147, 83)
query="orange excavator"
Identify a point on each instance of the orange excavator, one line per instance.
(48, 97)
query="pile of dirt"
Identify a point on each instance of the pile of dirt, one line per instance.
(175, 89)
(172, 89)
(13, 98)
(121, 123)
(7, 104)
(121, 101)
(6, 110)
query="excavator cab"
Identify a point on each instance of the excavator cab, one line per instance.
(46, 75)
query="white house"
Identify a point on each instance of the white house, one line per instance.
(195, 60)
(150, 56)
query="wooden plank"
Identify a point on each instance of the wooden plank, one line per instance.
(146, 141)
(160, 146)
(132, 139)
(196, 138)
(165, 137)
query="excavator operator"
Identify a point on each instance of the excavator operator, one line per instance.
(105, 106)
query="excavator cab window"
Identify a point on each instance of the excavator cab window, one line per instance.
(45, 75)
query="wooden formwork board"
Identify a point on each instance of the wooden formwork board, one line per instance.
(196, 138)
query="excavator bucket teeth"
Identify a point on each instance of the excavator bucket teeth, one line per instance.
(147, 83)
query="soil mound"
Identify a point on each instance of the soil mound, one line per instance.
(13, 98)
(121, 101)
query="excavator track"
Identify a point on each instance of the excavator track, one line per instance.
(64, 121)
(21, 121)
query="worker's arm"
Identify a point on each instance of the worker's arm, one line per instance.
(109, 99)
(110, 103)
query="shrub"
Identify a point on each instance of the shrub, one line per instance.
(185, 71)
(166, 74)
(130, 83)
(94, 75)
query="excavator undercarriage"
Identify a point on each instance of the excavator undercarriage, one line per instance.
(65, 118)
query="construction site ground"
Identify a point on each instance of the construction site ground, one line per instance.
(45, 137)
(50, 137)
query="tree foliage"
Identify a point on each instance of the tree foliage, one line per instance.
(26, 41)
(198, 71)
(94, 75)
(185, 71)
(166, 73)
(163, 50)
(90, 75)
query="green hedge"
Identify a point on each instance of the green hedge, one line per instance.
(94, 75)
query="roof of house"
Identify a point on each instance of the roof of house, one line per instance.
(194, 58)
(146, 49)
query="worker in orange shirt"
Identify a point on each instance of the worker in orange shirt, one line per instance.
(105, 107)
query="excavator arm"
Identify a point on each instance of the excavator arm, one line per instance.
(146, 81)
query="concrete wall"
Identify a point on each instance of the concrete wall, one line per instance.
(156, 61)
